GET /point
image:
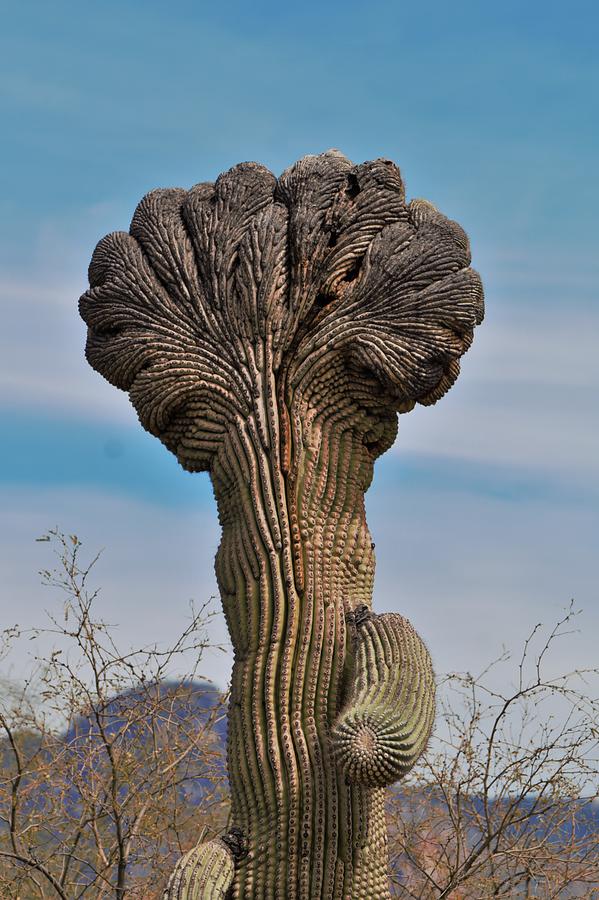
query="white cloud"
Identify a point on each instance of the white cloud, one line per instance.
(154, 561)
(43, 338)
(43, 363)
(477, 573)
(526, 397)
(472, 573)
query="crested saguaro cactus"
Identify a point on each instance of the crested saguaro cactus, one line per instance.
(268, 331)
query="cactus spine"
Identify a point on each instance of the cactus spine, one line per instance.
(269, 331)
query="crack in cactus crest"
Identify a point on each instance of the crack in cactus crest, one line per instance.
(268, 331)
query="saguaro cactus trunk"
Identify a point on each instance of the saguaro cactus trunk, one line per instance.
(269, 331)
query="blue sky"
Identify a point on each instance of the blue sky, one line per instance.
(486, 511)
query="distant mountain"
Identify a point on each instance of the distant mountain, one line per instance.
(68, 776)
(182, 700)
(135, 716)
(129, 720)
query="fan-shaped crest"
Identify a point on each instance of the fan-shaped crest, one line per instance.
(214, 289)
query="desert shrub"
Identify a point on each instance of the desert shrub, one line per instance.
(108, 768)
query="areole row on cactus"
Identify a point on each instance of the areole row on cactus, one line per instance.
(207, 871)
(269, 331)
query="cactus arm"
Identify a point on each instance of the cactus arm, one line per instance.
(388, 719)
(207, 871)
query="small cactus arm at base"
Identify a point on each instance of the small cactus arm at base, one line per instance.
(207, 871)
(388, 719)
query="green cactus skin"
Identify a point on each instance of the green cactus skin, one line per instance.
(205, 873)
(269, 331)
(388, 719)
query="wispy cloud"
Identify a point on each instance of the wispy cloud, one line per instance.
(470, 574)
(475, 572)
(526, 398)
(154, 561)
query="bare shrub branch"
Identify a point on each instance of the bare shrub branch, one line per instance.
(502, 805)
(108, 767)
